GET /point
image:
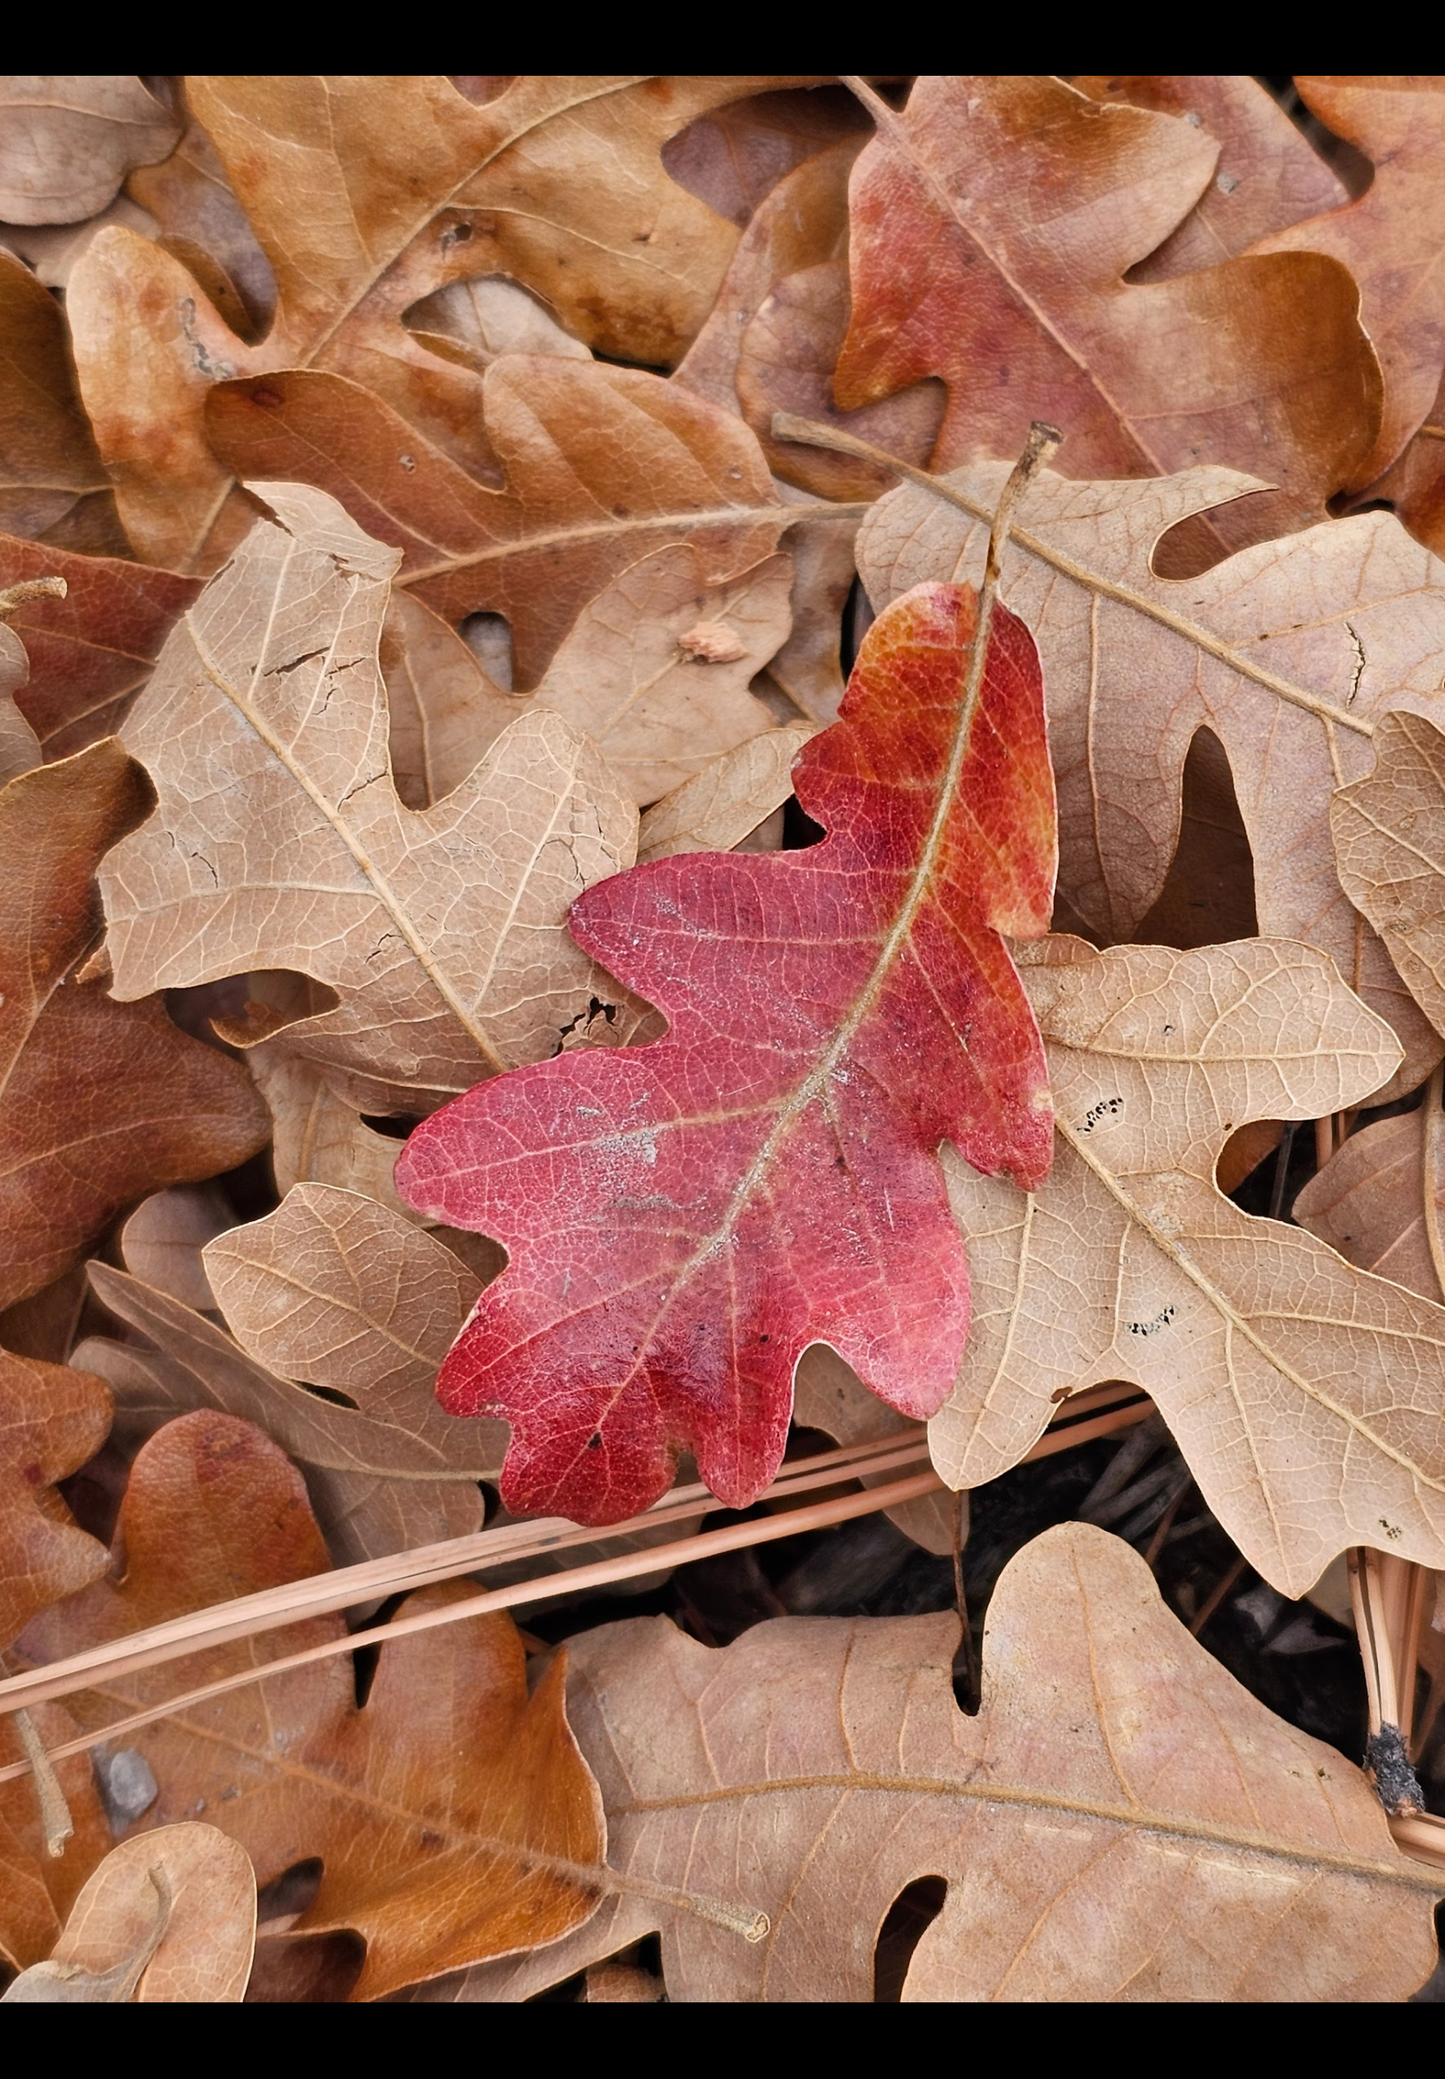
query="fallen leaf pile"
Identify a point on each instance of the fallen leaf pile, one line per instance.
(722, 877)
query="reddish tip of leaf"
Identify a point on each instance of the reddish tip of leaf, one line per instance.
(684, 1219)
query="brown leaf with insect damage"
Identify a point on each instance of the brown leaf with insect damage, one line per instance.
(1121, 1821)
(1303, 1393)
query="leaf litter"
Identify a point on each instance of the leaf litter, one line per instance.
(440, 517)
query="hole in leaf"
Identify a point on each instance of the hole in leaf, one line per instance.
(489, 639)
(905, 1924)
(332, 1394)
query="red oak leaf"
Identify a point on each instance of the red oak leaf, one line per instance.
(683, 1219)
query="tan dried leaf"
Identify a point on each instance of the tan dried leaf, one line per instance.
(1289, 652)
(320, 1139)
(1389, 833)
(476, 322)
(719, 807)
(169, 1917)
(1380, 1199)
(161, 1242)
(828, 1395)
(444, 710)
(1304, 1394)
(377, 1487)
(657, 668)
(343, 1293)
(1121, 1821)
(279, 840)
(67, 141)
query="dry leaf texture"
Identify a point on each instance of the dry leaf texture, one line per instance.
(1121, 1821)
(368, 194)
(721, 806)
(440, 1808)
(683, 1219)
(1380, 1199)
(100, 1102)
(1389, 833)
(51, 1420)
(69, 139)
(48, 457)
(1304, 1395)
(90, 650)
(194, 1364)
(1267, 176)
(343, 1293)
(377, 1486)
(279, 839)
(1013, 291)
(657, 668)
(168, 1917)
(603, 466)
(1301, 645)
(1390, 237)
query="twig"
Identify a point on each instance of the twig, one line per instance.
(1388, 1599)
(1221, 1590)
(1281, 1169)
(54, 1810)
(1166, 1524)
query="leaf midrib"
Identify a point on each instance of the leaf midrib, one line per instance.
(1138, 1818)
